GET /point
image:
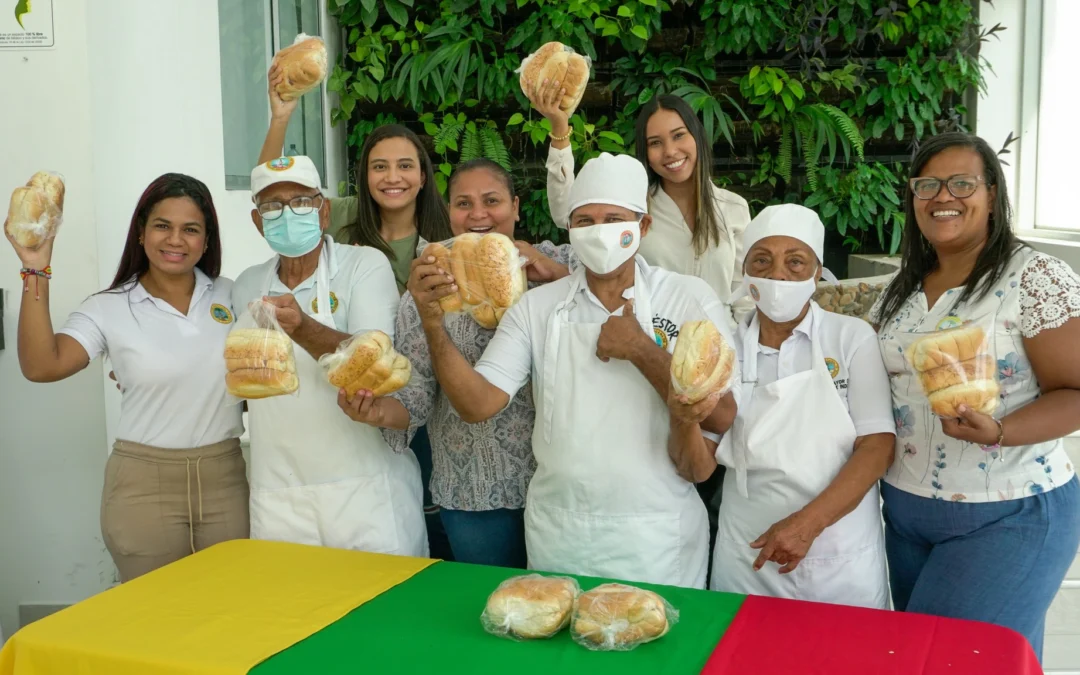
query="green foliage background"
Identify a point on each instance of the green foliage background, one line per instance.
(811, 101)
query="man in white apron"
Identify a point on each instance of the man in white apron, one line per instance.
(815, 430)
(317, 477)
(616, 455)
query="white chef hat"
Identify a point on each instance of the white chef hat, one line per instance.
(789, 220)
(619, 180)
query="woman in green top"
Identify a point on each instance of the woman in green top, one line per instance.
(397, 202)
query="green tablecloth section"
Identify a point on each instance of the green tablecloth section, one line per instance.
(431, 624)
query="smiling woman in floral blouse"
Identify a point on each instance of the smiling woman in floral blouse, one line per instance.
(982, 513)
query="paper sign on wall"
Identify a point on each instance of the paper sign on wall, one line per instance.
(29, 26)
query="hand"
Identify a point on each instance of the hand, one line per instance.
(288, 314)
(34, 258)
(427, 283)
(787, 542)
(539, 267)
(621, 336)
(112, 376)
(279, 109)
(973, 427)
(361, 407)
(684, 412)
(546, 97)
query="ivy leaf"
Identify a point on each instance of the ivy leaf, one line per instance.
(625, 11)
(369, 5)
(397, 12)
(515, 119)
(612, 136)
(641, 32)
(648, 3)
(899, 129)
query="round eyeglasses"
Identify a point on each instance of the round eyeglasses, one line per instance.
(301, 206)
(960, 187)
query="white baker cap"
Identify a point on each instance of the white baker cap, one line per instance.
(298, 169)
(619, 180)
(789, 220)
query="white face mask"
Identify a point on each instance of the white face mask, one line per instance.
(602, 248)
(781, 301)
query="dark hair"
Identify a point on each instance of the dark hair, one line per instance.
(710, 222)
(432, 217)
(133, 262)
(919, 257)
(504, 176)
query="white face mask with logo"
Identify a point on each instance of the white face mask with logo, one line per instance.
(781, 301)
(602, 248)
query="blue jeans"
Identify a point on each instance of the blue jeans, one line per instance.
(998, 562)
(487, 537)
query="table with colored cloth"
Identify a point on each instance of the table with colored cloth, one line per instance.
(281, 609)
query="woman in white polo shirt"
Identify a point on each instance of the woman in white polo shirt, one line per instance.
(176, 480)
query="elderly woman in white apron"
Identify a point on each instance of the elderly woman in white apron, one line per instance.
(815, 431)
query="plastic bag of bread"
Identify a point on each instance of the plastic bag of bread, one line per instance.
(703, 362)
(489, 273)
(556, 61)
(36, 209)
(617, 617)
(530, 606)
(304, 64)
(259, 361)
(956, 367)
(367, 362)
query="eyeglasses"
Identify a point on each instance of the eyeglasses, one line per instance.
(301, 206)
(958, 186)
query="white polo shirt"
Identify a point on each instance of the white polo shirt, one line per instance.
(851, 353)
(171, 367)
(516, 351)
(363, 292)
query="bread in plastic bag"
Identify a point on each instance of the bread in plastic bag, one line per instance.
(956, 367)
(367, 362)
(304, 65)
(852, 297)
(617, 617)
(556, 61)
(702, 363)
(36, 209)
(259, 360)
(530, 606)
(488, 271)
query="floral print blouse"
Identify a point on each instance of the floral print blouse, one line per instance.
(1037, 292)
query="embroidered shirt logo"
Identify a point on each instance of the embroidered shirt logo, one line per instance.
(833, 366)
(280, 164)
(333, 304)
(221, 313)
(626, 239)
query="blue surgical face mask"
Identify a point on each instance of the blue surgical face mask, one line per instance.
(291, 235)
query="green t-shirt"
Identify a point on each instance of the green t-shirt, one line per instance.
(343, 212)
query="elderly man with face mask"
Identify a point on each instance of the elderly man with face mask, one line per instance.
(617, 453)
(318, 477)
(815, 431)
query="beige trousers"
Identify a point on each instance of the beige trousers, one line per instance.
(160, 505)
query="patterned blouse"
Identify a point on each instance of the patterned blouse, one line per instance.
(1037, 292)
(476, 467)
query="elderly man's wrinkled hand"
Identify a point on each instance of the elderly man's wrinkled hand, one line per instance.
(684, 412)
(287, 312)
(787, 542)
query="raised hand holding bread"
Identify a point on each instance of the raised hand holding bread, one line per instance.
(702, 362)
(486, 270)
(556, 62)
(302, 67)
(36, 210)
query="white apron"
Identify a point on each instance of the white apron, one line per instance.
(606, 499)
(789, 441)
(319, 478)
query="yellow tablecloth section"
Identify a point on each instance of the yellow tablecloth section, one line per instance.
(221, 611)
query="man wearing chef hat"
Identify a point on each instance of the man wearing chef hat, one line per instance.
(616, 455)
(814, 433)
(317, 477)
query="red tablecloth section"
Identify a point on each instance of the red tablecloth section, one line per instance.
(788, 637)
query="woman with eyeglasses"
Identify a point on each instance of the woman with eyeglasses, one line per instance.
(981, 506)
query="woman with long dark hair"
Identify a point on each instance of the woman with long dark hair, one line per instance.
(176, 480)
(981, 504)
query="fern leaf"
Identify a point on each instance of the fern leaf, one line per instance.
(494, 147)
(470, 144)
(810, 149)
(783, 157)
(448, 134)
(849, 130)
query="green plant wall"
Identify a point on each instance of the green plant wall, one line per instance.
(811, 101)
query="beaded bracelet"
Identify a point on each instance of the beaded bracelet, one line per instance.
(560, 138)
(1001, 436)
(30, 272)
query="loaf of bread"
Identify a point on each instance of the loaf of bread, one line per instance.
(36, 209)
(303, 65)
(367, 362)
(702, 362)
(530, 606)
(555, 61)
(451, 304)
(955, 368)
(464, 259)
(259, 363)
(616, 617)
(488, 273)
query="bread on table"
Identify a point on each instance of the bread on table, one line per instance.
(488, 273)
(303, 64)
(368, 362)
(618, 617)
(259, 363)
(955, 368)
(702, 362)
(530, 606)
(36, 209)
(555, 61)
